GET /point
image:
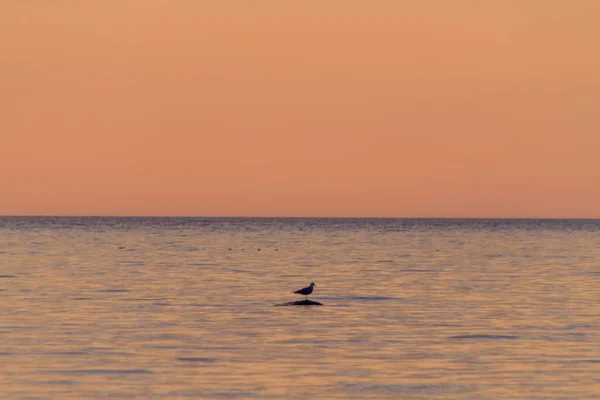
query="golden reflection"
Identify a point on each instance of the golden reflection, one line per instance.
(426, 312)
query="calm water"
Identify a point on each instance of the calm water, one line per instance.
(174, 308)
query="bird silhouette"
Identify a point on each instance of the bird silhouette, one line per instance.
(306, 291)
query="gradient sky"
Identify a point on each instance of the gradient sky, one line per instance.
(420, 108)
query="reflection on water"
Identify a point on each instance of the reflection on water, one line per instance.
(183, 308)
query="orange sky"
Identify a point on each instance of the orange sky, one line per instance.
(428, 108)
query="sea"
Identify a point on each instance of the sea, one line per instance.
(187, 308)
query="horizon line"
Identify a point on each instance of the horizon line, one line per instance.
(281, 217)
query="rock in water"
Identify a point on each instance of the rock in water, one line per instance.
(300, 303)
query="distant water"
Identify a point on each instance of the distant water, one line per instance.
(177, 308)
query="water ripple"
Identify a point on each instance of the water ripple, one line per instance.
(197, 359)
(105, 372)
(485, 337)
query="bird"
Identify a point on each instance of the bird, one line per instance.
(306, 291)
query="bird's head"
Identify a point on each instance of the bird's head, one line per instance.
(312, 284)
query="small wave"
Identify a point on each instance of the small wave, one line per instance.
(373, 298)
(144, 299)
(211, 395)
(113, 290)
(585, 361)
(399, 388)
(107, 372)
(204, 305)
(202, 264)
(197, 359)
(61, 382)
(475, 337)
(8, 276)
(418, 270)
(363, 298)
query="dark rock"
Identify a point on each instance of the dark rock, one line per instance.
(300, 303)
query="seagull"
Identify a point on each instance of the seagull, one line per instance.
(306, 291)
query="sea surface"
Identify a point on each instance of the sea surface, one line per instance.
(184, 308)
